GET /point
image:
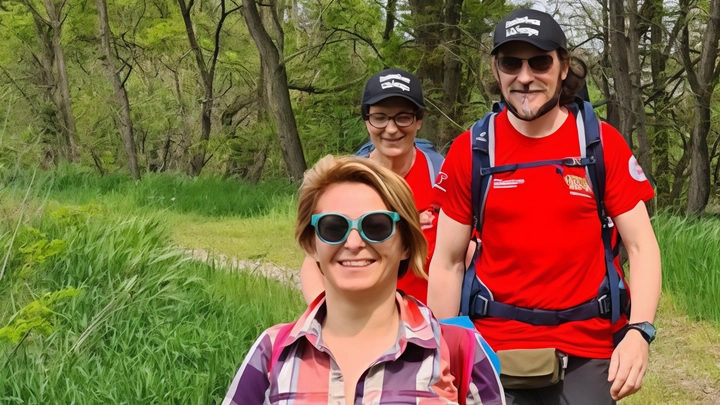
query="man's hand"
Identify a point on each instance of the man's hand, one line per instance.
(628, 365)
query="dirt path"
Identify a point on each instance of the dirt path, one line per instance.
(267, 269)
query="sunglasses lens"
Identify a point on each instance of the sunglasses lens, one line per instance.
(509, 64)
(512, 65)
(332, 228)
(540, 63)
(377, 227)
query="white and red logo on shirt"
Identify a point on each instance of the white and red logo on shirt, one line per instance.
(440, 178)
(636, 172)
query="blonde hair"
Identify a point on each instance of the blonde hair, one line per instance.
(393, 190)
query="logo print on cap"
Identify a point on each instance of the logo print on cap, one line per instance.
(636, 172)
(389, 81)
(529, 31)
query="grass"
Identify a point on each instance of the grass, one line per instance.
(684, 366)
(691, 263)
(148, 326)
(151, 326)
(211, 196)
(268, 237)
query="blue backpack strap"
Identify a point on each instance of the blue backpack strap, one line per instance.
(433, 158)
(597, 175)
(474, 296)
(365, 150)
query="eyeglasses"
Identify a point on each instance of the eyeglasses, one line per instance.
(374, 227)
(380, 120)
(511, 65)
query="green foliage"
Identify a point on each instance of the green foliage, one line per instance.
(691, 263)
(151, 326)
(35, 248)
(37, 316)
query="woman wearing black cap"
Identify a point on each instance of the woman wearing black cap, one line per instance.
(392, 108)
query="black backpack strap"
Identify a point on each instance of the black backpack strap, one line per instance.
(482, 141)
(477, 300)
(552, 162)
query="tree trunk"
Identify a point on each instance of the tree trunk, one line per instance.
(620, 64)
(679, 175)
(452, 70)
(123, 119)
(277, 90)
(427, 16)
(635, 94)
(389, 19)
(613, 117)
(62, 96)
(197, 162)
(702, 84)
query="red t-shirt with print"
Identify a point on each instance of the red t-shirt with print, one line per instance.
(541, 234)
(420, 182)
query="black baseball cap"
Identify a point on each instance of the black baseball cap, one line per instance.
(531, 26)
(393, 83)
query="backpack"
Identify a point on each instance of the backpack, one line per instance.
(613, 298)
(460, 341)
(433, 158)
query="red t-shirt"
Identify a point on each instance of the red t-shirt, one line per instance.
(541, 236)
(418, 178)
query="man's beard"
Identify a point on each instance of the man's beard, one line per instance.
(544, 109)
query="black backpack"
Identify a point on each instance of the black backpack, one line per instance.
(613, 298)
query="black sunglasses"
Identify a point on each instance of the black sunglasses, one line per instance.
(511, 65)
(375, 227)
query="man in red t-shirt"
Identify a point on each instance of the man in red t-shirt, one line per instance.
(541, 236)
(393, 107)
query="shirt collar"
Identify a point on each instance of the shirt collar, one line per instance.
(417, 325)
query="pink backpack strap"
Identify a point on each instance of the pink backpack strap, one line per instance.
(461, 342)
(277, 346)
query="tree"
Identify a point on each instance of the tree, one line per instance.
(625, 58)
(206, 69)
(55, 74)
(276, 86)
(703, 81)
(123, 120)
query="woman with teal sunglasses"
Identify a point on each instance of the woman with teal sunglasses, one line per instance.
(362, 341)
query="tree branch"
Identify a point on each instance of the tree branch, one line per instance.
(314, 90)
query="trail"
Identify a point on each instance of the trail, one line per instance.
(262, 267)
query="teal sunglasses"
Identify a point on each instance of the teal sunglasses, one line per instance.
(374, 227)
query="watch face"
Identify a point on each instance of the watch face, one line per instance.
(647, 329)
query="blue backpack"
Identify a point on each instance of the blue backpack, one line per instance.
(433, 158)
(476, 299)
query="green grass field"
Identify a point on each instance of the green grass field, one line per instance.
(104, 307)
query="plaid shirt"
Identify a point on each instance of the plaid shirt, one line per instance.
(414, 371)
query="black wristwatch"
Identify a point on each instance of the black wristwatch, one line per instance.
(647, 330)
